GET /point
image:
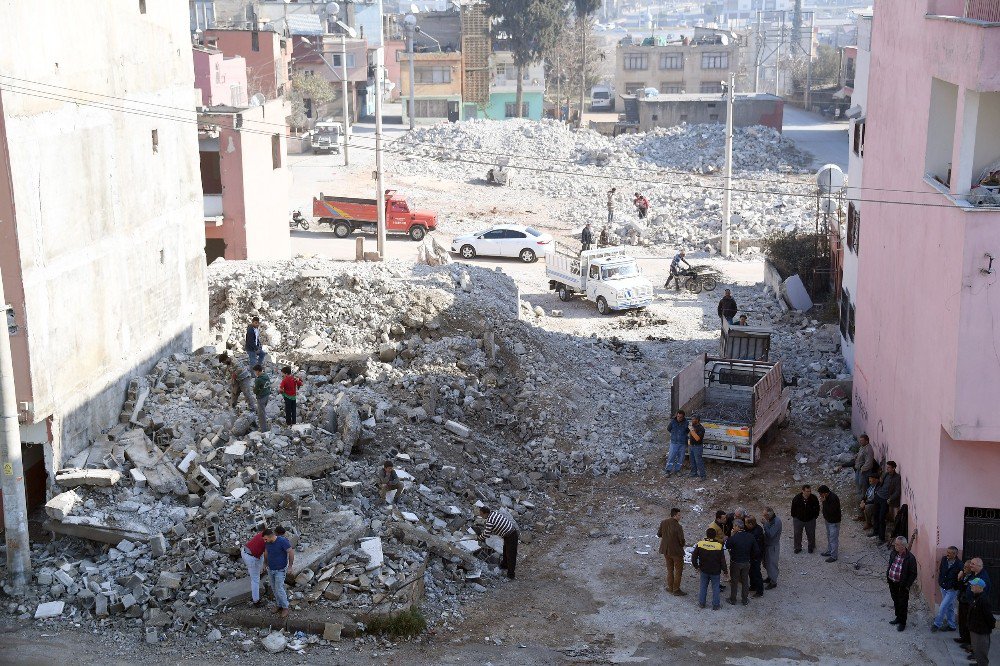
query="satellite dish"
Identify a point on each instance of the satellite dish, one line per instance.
(257, 100)
(829, 206)
(830, 177)
(410, 19)
(332, 7)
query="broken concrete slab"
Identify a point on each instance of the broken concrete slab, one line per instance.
(274, 642)
(49, 609)
(457, 428)
(372, 547)
(795, 294)
(62, 504)
(348, 527)
(75, 526)
(73, 478)
(311, 466)
(441, 547)
(295, 485)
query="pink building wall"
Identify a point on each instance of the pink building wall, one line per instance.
(392, 65)
(927, 362)
(222, 80)
(267, 65)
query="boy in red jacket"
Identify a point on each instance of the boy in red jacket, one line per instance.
(289, 386)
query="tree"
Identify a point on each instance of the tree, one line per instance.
(567, 68)
(316, 89)
(584, 8)
(529, 28)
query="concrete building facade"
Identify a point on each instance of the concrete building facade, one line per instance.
(648, 113)
(503, 89)
(927, 366)
(101, 241)
(245, 181)
(307, 61)
(221, 80)
(438, 85)
(268, 57)
(692, 66)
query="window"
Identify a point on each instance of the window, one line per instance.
(496, 234)
(275, 151)
(156, 140)
(255, 41)
(633, 88)
(714, 117)
(671, 88)
(337, 59)
(853, 227)
(510, 110)
(432, 75)
(845, 312)
(211, 172)
(430, 108)
(684, 117)
(850, 324)
(142, 6)
(671, 61)
(711, 87)
(715, 61)
(859, 137)
(510, 234)
(308, 72)
(633, 61)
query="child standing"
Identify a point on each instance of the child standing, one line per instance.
(289, 386)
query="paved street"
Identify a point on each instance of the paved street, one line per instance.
(824, 139)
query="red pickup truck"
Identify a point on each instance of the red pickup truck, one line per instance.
(346, 215)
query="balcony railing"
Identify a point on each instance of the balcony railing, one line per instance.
(983, 10)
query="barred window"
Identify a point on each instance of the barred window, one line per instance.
(671, 61)
(636, 61)
(715, 61)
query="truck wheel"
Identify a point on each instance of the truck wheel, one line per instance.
(785, 418)
(305, 225)
(342, 230)
(417, 233)
(467, 252)
(693, 285)
(528, 256)
(602, 306)
(709, 283)
(564, 293)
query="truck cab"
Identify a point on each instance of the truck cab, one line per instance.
(325, 137)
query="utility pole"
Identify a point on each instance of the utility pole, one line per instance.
(558, 89)
(410, 22)
(761, 45)
(727, 197)
(379, 182)
(583, 64)
(15, 508)
(343, 82)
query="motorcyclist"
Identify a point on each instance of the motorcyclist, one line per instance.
(675, 270)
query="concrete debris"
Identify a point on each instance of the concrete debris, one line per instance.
(275, 642)
(49, 609)
(62, 504)
(73, 478)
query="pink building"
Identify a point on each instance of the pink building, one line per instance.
(308, 62)
(245, 181)
(927, 356)
(268, 57)
(222, 80)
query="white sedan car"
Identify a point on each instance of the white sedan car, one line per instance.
(506, 240)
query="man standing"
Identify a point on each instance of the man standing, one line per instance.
(949, 571)
(756, 580)
(900, 575)
(678, 429)
(254, 350)
(279, 556)
(672, 548)
(240, 382)
(389, 480)
(586, 237)
(869, 505)
(719, 525)
(675, 270)
(742, 548)
(262, 391)
(502, 524)
(289, 388)
(981, 622)
(727, 307)
(696, 447)
(253, 556)
(886, 496)
(805, 510)
(738, 514)
(604, 239)
(611, 205)
(772, 547)
(863, 463)
(832, 516)
(973, 570)
(641, 204)
(710, 560)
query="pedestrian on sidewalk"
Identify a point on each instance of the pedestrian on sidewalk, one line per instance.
(278, 555)
(900, 575)
(863, 464)
(742, 548)
(240, 381)
(289, 388)
(678, 429)
(389, 480)
(949, 572)
(253, 556)
(503, 525)
(696, 447)
(672, 548)
(981, 622)
(709, 559)
(756, 579)
(832, 517)
(805, 510)
(886, 498)
(611, 205)
(727, 307)
(772, 547)
(252, 345)
(262, 391)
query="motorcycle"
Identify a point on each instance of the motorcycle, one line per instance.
(298, 221)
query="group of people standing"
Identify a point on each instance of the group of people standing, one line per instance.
(965, 604)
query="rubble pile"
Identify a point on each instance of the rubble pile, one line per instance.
(425, 366)
(678, 169)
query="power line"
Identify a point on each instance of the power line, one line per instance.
(406, 139)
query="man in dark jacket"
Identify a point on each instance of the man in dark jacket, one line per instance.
(973, 569)
(948, 572)
(710, 560)
(981, 622)
(742, 548)
(886, 497)
(756, 578)
(727, 307)
(831, 515)
(587, 237)
(678, 429)
(900, 575)
(672, 548)
(805, 510)
(252, 346)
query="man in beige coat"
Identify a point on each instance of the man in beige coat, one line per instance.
(672, 548)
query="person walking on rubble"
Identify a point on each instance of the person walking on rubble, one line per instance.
(240, 381)
(252, 345)
(289, 387)
(253, 556)
(279, 555)
(262, 391)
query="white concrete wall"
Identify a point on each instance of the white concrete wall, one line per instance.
(109, 230)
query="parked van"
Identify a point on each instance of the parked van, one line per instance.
(602, 98)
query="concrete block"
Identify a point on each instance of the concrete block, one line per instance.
(138, 478)
(457, 428)
(234, 452)
(49, 609)
(372, 547)
(331, 631)
(170, 580)
(205, 480)
(158, 545)
(295, 485)
(125, 546)
(72, 478)
(64, 578)
(230, 592)
(152, 635)
(213, 502)
(185, 465)
(62, 504)
(101, 605)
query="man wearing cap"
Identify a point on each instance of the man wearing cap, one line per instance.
(900, 575)
(696, 447)
(973, 569)
(981, 622)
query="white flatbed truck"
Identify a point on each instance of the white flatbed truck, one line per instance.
(607, 276)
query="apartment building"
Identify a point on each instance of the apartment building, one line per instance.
(696, 65)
